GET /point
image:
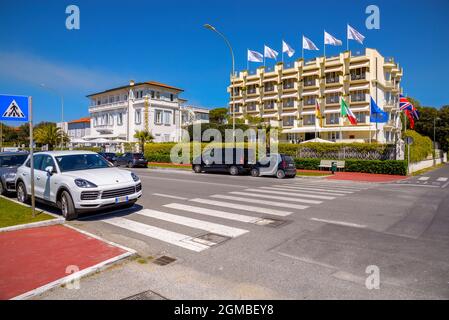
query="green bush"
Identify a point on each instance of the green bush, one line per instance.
(421, 147)
(93, 149)
(395, 167)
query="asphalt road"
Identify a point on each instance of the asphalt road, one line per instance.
(262, 238)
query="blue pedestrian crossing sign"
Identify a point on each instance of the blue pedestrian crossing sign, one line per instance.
(13, 108)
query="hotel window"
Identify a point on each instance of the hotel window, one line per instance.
(289, 84)
(333, 118)
(332, 98)
(333, 136)
(388, 76)
(360, 116)
(309, 101)
(167, 118)
(288, 103)
(158, 117)
(235, 91)
(288, 121)
(120, 119)
(251, 89)
(138, 117)
(309, 81)
(309, 120)
(251, 106)
(332, 77)
(358, 74)
(268, 105)
(357, 96)
(269, 86)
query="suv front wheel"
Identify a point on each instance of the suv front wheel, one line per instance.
(22, 195)
(67, 206)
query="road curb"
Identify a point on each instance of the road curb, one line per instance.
(83, 273)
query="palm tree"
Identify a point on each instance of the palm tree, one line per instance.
(50, 135)
(143, 136)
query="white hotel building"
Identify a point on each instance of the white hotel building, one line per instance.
(285, 96)
(117, 113)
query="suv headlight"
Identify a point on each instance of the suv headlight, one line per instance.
(84, 183)
(10, 176)
(135, 177)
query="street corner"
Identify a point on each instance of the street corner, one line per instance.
(50, 256)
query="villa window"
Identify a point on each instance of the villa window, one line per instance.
(138, 116)
(167, 118)
(171, 97)
(110, 119)
(120, 119)
(158, 117)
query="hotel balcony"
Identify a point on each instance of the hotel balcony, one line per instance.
(333, 81)
(311, 83)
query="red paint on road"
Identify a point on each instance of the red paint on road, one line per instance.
(365, 177)
(31, 258)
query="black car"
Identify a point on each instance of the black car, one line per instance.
(131, 160)
(9, 162)
(232, 160)
(108, 156)
(279, 165)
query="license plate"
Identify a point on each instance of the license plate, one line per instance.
(121, 199)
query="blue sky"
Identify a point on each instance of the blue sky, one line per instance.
(165, 41)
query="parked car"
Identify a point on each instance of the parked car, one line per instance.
(77, 181)
(110, 156)
(279, 165)
(234, 161)
(9, 162)
(131, 160)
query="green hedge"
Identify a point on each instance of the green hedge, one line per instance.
(293, 149)
(395, 167)
(421, 147)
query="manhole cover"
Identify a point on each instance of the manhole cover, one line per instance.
(146, 295)
(269, 222)
(211, 239)
(164, 260)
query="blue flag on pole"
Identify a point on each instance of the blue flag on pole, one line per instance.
(377, 114)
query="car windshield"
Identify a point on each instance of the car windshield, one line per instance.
(288, 159)
(12, 160)
(81, 162)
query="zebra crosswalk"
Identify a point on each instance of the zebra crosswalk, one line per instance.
(195, 223)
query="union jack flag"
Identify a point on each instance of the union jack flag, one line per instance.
(404, 104)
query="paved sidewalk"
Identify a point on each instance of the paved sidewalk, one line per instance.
(33, 258)
(365, 177)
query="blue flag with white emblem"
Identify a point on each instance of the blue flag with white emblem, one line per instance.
(377, 114)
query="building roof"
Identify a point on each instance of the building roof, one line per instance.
(81, 120)
(151, 83)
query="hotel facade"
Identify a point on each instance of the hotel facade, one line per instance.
(285, 97)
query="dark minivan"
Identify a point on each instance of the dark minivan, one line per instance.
(279, 165)
(234, 161)
(131, 160)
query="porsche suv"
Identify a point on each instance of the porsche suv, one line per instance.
(77, 181)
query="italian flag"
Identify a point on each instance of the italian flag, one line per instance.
(346, 112)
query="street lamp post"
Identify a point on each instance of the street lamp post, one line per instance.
(212, 28)
(62, 110)
(435, 119)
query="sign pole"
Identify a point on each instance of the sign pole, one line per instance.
(33, 204)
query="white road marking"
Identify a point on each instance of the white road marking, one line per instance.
(242, 207)
(314, 194)
(292, 199)
(424, 178)
(289, 192)
(268, 203)
(442, 179)
(169, 196)
(327, 186)
(328, 191)
(347, 224)
(214, 213)
(171, 237)
(445, 185)
(190, 181)
(194, 223)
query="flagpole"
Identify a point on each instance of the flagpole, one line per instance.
(347, 39)
(247, 61)
(376, 103)
(324, 45)
(282, 48)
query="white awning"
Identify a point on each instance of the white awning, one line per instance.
(333, 90)
(311, 93)
(359, 65)
(360, 109)
(304, 113)
(271, 115)
(237, 101)
(252, 100)
(330, 129)
(290, 95)
(252, 82)
(270, 79)
(310, 73)
(334, 69)
(292, 76)
(289, 114)
(355, 88)
(332, 111)
(269, 98)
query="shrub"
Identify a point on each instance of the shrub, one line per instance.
(421, 147)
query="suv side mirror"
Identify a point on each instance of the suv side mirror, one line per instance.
(50, 170)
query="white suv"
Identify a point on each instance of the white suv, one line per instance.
(77, 181)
